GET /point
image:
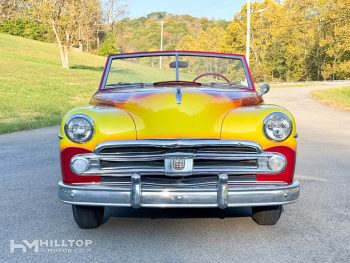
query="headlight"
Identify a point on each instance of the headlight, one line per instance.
(79, 128)
(277, 126)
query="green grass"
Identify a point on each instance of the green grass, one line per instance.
(35, 91)
(339, 97)
(292, 85)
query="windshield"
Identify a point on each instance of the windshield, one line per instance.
(185, 69)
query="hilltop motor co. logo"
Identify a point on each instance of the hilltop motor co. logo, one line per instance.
(51, 246)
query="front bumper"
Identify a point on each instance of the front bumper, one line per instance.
(222, 194)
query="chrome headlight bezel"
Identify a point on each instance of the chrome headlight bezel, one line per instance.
(86, 118)
(268, 119)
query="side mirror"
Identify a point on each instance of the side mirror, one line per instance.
(263, 88)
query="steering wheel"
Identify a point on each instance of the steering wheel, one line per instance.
(212, 74)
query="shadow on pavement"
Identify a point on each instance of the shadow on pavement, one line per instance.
(155, 213)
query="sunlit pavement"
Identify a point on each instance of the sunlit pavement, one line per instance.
(317, 228)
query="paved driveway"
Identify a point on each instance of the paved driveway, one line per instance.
(316, 229)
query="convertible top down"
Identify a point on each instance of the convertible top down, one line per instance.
(178, 129)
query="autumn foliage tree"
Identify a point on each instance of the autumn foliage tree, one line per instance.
(69, 21)
(290, 40)
(208, 40)
(295, 40)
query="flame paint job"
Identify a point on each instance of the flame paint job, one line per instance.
(153, 113)
(157, 114)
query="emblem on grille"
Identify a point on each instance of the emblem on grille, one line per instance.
(179, 163)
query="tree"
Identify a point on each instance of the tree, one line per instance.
(113, 11)
(70, 20)
(295, 40)
(63, 17)
(157, 15)
(265, 46)
(89, 25)
(10, 9)
(208, 40)
(335, 40)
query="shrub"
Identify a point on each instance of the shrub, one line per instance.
(108, 46)
(25, 28)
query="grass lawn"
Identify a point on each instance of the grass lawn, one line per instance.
(339, 97)
(292, 85)
(35, 91)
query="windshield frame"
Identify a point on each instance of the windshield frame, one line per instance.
(176, 54)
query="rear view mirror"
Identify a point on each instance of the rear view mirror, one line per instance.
(182, 64)
(264, 88)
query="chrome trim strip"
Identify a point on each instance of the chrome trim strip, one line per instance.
(238, 195)
(196, 171)
(175, 143)
(156, 157)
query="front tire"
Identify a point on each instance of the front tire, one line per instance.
(266, 215)
(88, 217)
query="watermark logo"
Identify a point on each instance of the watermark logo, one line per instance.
(51, 246)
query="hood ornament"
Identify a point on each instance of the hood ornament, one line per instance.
(178, 95)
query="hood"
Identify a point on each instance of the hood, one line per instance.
(165, 113)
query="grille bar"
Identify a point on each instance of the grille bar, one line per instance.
(154, 146)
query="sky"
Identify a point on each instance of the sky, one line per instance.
(218, 9)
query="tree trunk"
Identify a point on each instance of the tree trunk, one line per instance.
(63, 49)
(80, 40)
(66, 60)
(62, 56)
(97, 39)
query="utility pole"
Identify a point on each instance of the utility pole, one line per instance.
(247, 51)
(161, 42)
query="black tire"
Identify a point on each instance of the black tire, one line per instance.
(266, 215)
(88, 217)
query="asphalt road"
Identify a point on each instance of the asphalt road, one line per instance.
(315, 229)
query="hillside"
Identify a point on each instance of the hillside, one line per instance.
(35, 91)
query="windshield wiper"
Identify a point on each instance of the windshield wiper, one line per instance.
(125, 85)
(231, 85)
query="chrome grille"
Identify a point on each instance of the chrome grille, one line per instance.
(146, 157)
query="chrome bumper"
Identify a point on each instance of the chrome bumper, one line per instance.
(143, 194)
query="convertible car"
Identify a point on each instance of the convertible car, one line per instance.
(177, 129)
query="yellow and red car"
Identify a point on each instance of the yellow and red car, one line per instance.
(177, 129)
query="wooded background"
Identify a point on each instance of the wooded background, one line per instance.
(290, 40)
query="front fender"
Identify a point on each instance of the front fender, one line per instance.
(246, 123)
(109, 124)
